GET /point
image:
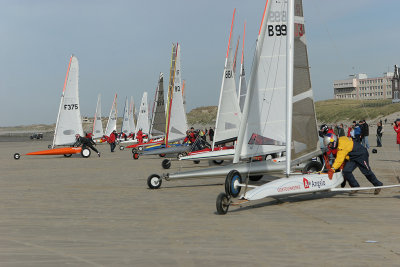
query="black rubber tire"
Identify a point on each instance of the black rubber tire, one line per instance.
(85, 153)
(196, 161)
(154, 181)
(166, 164)
(49, 147)
(135, 156)
(218, 162)
(230, 180)
(67, 155)
(162, 155)
(312, 166)
(255, 178)
(222, 204)
(134, 150)
(121, 147)
(182, 154)
(17, 156)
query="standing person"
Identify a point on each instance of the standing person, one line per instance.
(364, 134)
(357, 131)
(358, 157)
(139, 136)
(85, 142)
(211, 134)
(111, 140)
(350, 131)
(396, 127)
(340, 130)
(379, 132)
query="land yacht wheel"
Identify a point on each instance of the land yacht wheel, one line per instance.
(218, 162)
(166, 164)
(196, 161)
(134, 150)
(135, 155)
(222, 203)
(162, 155)
(231, 183)
(312, 166)
(49, 146)
(67, 155)
(121, 147)
(17, 156)
(183, 154)
(86, 152)
(154, 181)
(140, 148)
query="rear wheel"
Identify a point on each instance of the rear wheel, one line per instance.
(183, 154)
(196, 161)
(135, 155)
(67, 155)
(232, 181)
(218, 162)
(255, 178)
(162, 155)
(222, 204)
(312, 166)
(154, 181)
(49, 147)
(86, 152)
(121, 147)
(17, 156)
(140, 148)
(166, 164)
(134, 150)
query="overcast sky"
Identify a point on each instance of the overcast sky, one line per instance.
(122, 46)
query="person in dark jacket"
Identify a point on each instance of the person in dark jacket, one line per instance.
(356, 156)
(364, 133)
(85, 142)
(340, 130)
(211, 134)
(379, 132)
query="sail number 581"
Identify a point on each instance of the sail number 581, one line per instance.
(278, 30)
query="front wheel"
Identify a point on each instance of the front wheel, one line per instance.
(162, 155)
(218, 162)
(86, 152)
(196, 161)
(222, 204)
(140, 148)
(166, 164)
(312, 166)
(135, 155)
(67, 155)
(232, 181)
(17, 156)
(154, 181)
(121, 147)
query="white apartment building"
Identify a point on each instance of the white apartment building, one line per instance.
(359, 86)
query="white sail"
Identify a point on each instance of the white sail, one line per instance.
(132, 125)
(143, 117)
(112, 119)
(229, 114)
(177, 115)
(242, 78)
(97, 124)
(69, 121)
(125, 128)
(264, 116)
(157, 127)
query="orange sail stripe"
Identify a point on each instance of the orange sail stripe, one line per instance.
(58, 151)
(230, 34)
(244, 35)
(66, 76)
(265, 9)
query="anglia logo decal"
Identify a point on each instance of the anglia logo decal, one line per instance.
(313, 184)
(306, 184)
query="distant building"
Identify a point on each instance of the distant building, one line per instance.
(396, 85)
(360, 87)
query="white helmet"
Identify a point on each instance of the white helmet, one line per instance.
(330, 141)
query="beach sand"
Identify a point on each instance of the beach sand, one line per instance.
(58, 211)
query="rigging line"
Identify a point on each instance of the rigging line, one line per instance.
(264, 96)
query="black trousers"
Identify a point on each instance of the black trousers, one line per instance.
(362, 163)
(91, 146)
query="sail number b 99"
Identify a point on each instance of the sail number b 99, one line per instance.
(70, 106)
(278, 30)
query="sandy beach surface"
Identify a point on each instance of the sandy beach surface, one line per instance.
(58, 211)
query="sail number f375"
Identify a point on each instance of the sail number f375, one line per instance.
(70, 106)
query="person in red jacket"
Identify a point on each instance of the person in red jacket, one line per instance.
(139, 136)
(190, 136)
(396, 127)
(111, 140)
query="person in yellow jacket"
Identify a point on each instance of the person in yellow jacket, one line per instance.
(356, 156)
